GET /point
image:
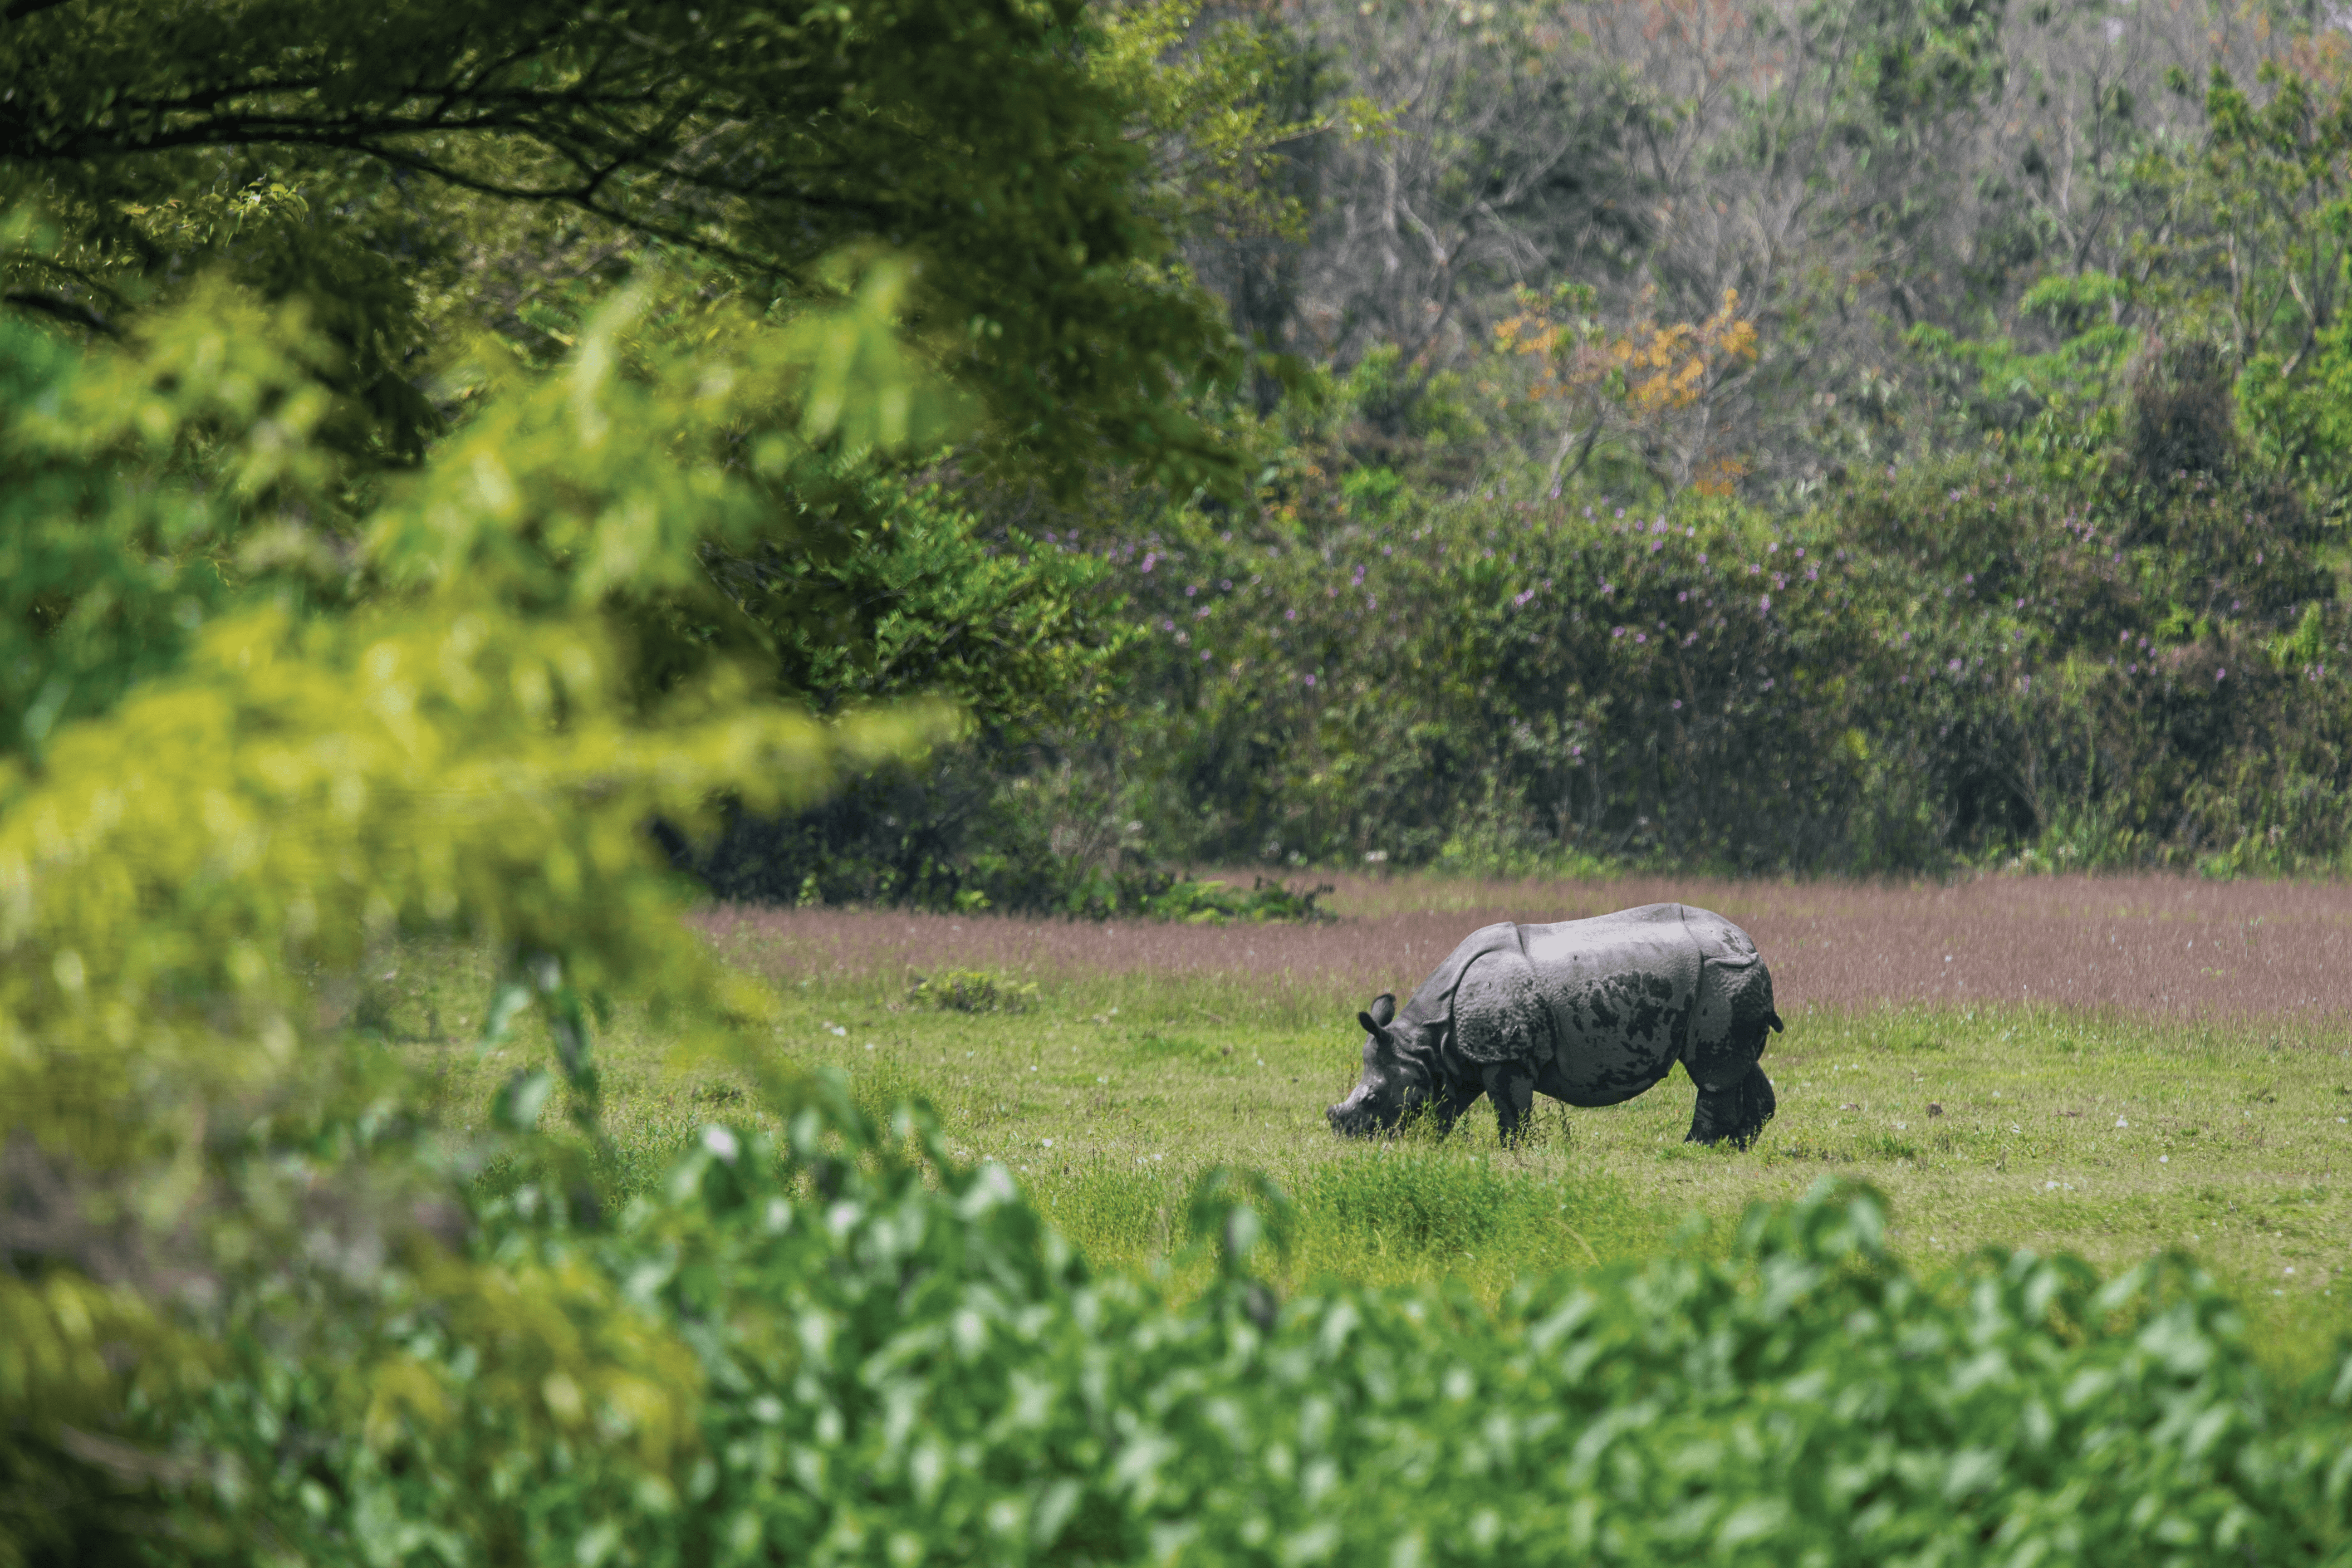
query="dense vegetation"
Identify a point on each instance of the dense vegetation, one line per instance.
(444, 454)
(2024, 326)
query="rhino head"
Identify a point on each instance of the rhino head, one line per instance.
(1397, 1078)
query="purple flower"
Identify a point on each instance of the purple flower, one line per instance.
(1149, 560)
(1774, 548)
(1168, 626)
(1765, 602)
(1954, 665)
(1702, 557)
(1190, 589)
(1225, 584)
(1607, 589)
(1656, 545)
(1641, 637)
(1290, 614)
(1682, 597)
(1753, 569)
(2132, 668)
(1370, 603)
(1310, 680)
(1204, 656)
(2220, 673)
(1801, 552)
(1677, 704)
(1617, 632)
(1621, 513)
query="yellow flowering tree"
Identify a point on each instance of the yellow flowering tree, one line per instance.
(1651, 390)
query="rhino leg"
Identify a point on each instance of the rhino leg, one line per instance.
(1511, 1086)
(1736, 1114)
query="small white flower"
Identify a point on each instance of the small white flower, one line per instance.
(2121, 1122)
(2013, 1127)
(2290, 1268)
(722, 1142)
(2164, 1159)
(1049, 1143)
(2049, 1186)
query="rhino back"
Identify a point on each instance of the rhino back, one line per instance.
(1619, 988)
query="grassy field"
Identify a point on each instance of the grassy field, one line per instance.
(1149, 1054)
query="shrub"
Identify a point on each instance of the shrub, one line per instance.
(843, 1346)
(973, 991)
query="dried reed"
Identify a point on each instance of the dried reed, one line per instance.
(2150, 945)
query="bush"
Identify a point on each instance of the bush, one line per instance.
(843, 1346)
(973, 991)
(1950, 664)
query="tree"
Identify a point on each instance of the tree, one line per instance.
(763, 136)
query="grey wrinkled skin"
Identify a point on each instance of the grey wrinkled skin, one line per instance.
(1590, 1011)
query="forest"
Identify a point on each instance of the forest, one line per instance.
(479, 486)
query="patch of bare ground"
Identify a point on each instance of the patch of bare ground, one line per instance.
(2162, 946)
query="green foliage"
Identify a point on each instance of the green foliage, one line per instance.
(1213, 903)
(841, 1345)
(972, 990)
(1941, 663)
(765, 138)
(248, 749)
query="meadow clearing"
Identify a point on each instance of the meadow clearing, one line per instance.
(2112, 1067)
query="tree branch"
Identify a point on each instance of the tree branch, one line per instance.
(65, 311)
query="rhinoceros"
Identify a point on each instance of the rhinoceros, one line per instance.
(1591, 1012)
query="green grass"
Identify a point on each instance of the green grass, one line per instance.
(2111, 1137)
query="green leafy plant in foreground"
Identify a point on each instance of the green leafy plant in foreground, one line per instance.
(841, 1346)
(257, 747)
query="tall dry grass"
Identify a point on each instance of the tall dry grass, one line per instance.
(2149, 945)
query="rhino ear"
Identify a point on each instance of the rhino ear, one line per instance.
(1384, 1009)
(1371, 1026)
